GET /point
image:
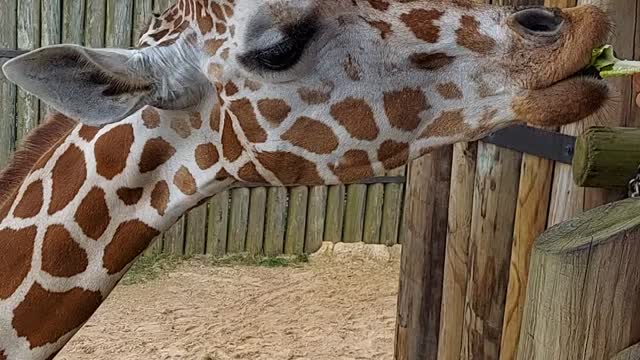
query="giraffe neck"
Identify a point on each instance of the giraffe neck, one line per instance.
(86, 211)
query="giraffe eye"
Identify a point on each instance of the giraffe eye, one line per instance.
(279, 57)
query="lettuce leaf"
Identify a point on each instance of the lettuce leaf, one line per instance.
(604, 60)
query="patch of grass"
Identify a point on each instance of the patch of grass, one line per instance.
(149, 268)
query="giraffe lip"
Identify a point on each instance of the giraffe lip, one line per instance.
(589, 72)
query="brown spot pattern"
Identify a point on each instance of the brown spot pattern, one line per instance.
(87, 133)
(61, 255)
(230, 89)
(231, 147)
(185, 181)
(16, 247)
(357, 117)
(289, 168)
(150, 117)
(311, 135)
(214, 118)
(470, 37)
(181, 126)
(155, 153)
(449, 91)
(93, 214)
(393, 154)
(68, 175)
(430, 61)
(206, 156)
(352, 69)
(205, 22)
(249, 173)
(353, 166)
(403, 108)
(383, 27)
(274, 110)
(212, 46)
(314, 97)
(130, 196)
(44, 317)
(421, 23)
(130, 239)
(196, 120)
(31, 202)
(246, 115)
(160, 197)
(112, 150)
(447, 124)
(381, 5)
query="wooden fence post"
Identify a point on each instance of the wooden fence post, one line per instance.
(421, 271)
(583, 296)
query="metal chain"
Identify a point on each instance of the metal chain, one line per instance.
(634, 186)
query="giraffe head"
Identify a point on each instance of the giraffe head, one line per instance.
(335, 90)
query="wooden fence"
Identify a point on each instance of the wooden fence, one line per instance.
(271, 221)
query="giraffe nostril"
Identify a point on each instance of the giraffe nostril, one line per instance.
(539, 21)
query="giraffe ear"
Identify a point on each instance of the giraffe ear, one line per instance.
(95, 86)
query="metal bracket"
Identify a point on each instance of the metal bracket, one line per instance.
(542, 143)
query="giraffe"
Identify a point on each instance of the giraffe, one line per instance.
(280, 92)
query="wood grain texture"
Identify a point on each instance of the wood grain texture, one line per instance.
(28, 32)
(316, 216)
(373, 214)
(456, 263)
(584, 285)
(531, 220)
(354, 213)
(392, 210)
(296, 220)
(119, 23)
(73, 20)
(335, 213)
(275, 221)
(173, 239)
(196, 231)
(8, 91)
(494, 203)
(217, 225)
(50, 34)
(95, 23)
(142, 13)
(422, 265)
(238, 220)
(255, 231)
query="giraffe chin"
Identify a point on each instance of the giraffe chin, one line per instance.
(564, 102)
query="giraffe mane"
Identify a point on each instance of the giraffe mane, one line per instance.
(36, 144)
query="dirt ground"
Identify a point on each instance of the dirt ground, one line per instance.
(330, 308)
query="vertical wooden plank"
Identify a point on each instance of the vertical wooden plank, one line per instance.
(155, 248)
(275, 221)
(335, 214)
(196, 231)
(73, 12)
(257, 208)
(119, 23)
(354, 213)
(28, 106)
(373, 214)
(392, 210)
(494, 202)
(421, 269)
(238, 218)
(95, 22)
(531, 220)
(173, 239)
(159, 6)
(142, 12)
(456, 263)
(296, 220)
(8, 39)
(218, 224)
(315, 219)
(51, 33)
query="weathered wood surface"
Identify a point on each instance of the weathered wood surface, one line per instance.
(74, 19)
(94, 23)
(8, 91)
(217, 227)
(392, 210)
(606, 157)
(238, 220)
(28, 32)
(316, 216)
(373, 214)
(354, 213)
(335, 213)
(496, 188)
(119, 23)
(173, 239)
(583, 294)
(255, 231)
(421, 271)
(296, 220)
(456, 264)
(196, 231)
(275, 221)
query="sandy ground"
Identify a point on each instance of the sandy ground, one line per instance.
(330, 308)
